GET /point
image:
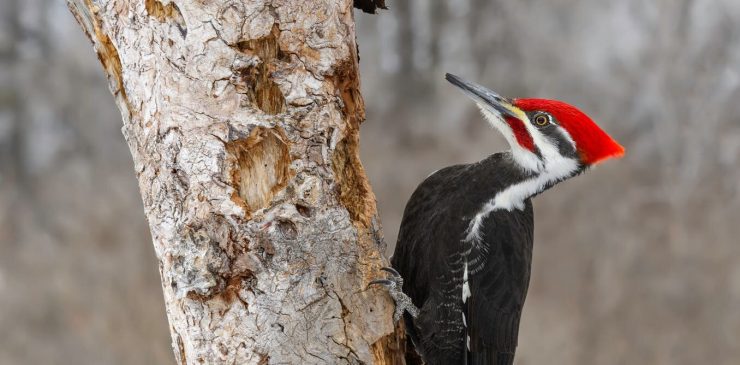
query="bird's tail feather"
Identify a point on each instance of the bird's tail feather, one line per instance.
(490, 358)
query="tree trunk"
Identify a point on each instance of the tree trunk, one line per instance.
(242, 118)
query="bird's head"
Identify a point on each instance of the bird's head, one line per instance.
(545, 135)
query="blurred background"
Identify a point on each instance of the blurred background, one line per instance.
(636, 262)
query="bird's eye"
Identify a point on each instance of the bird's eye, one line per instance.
(541, 119)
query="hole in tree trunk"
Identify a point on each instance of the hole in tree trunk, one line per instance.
(262, 91)
(261, 167)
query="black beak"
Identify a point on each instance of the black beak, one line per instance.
(484, 96)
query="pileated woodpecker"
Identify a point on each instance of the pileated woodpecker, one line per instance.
(464, 249)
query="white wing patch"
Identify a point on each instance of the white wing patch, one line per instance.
(465, 286)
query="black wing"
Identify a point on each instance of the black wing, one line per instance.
(427, 255)
(499, 272)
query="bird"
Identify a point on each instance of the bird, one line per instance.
(460, 270)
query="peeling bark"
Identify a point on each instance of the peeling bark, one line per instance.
(242, 118)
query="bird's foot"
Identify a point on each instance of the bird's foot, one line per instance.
(394, 284)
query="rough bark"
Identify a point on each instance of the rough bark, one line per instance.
(242, 118)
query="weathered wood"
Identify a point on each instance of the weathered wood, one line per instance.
(242, 118)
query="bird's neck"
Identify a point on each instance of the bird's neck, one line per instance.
(532, 183)
(521, 186)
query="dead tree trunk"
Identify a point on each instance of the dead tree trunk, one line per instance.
(242, 118)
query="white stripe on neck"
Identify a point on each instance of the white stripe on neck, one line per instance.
(513, 197)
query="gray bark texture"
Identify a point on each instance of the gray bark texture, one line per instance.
(242, 118)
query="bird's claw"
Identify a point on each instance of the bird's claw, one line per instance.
(394, 284)
(393, 272)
